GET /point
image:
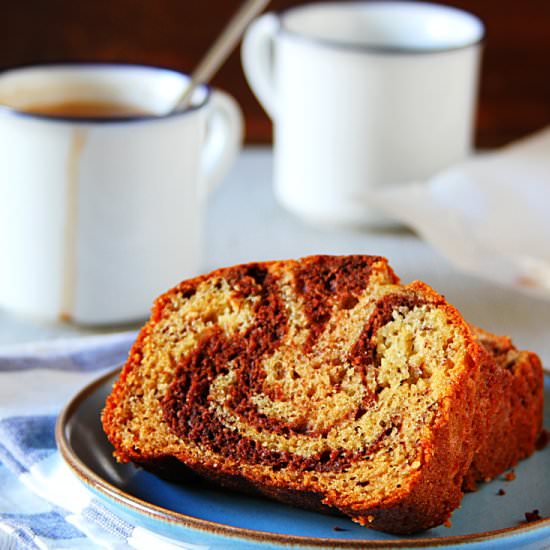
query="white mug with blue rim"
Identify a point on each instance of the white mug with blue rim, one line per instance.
(99, 214)
(362, 95)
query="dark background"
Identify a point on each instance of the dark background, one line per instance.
(515, 85)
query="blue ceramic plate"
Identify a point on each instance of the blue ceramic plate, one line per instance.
(215, 518)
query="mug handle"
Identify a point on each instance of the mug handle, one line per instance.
(257, 56)
(223, 141)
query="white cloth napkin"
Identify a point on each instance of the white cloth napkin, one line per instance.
(490, 215)
(42, 504)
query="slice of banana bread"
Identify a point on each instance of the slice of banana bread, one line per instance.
(320, 382)
(512, 391)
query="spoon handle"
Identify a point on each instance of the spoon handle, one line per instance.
(222, 47)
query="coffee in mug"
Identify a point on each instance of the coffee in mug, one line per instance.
(87, 109)
(102, 189)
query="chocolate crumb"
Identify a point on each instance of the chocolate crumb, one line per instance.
(336, 528)
(532, 516)
(543, 440)
(510, 476)
(501, 492)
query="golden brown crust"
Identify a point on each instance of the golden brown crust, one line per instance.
(483, 397)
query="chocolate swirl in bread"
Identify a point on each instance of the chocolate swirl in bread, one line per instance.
(320, 382)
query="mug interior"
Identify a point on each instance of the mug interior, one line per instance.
(390, 26)
(151, 89)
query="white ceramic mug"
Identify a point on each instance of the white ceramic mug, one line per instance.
(100, 215)
(362, 94)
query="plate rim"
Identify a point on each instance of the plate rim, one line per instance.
(95, 482)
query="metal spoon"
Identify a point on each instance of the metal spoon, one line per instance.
(220, 50)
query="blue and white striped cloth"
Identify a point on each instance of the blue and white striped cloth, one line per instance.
(42, 504)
